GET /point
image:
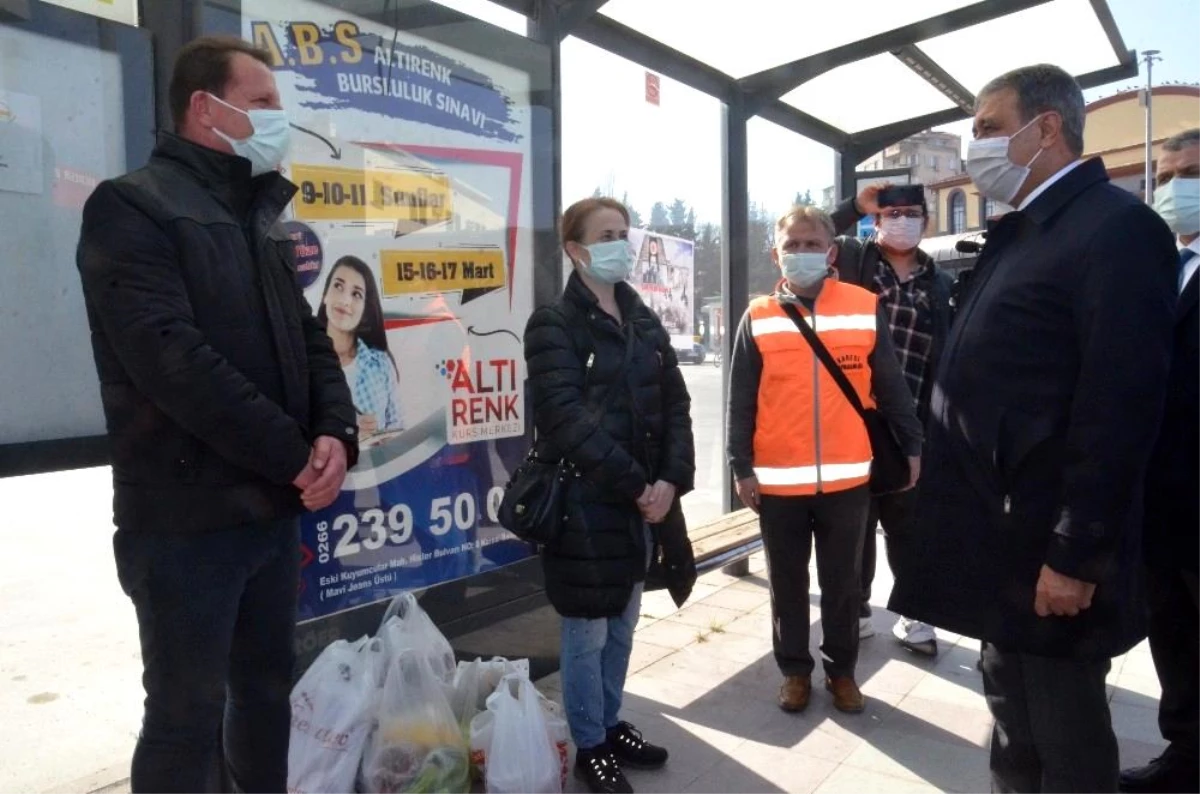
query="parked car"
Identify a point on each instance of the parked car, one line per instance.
(694, 356)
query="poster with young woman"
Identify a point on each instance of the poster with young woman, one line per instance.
(412, 231)
(662, 275)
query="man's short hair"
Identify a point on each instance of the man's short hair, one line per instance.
(203, 65)
(1041, 89)
(1182, 140)
(811, 214)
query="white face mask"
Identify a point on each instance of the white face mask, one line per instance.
(268, 144)
(996, 176)
(901, 234)
(1178, 202)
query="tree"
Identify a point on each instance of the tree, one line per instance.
(803, 200)
(678, 212)
(763, 275)
(635, 217)
(659, 219)
(707, 255)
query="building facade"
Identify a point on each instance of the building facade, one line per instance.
(929, 156)
(1115, 131)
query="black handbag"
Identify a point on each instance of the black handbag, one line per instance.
(890, 471)
(532, 507)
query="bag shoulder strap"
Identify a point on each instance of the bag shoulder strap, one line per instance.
(606, 401)
(825, 356)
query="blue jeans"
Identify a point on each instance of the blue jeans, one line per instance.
(216, 613)
(594, 662)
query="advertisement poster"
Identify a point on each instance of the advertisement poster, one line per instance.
(663, 276)
(413, 243)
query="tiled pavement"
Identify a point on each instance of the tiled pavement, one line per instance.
(703, 683)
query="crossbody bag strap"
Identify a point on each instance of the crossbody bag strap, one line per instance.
(825, 356)
(609, 393)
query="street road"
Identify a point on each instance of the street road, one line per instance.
(708, 423)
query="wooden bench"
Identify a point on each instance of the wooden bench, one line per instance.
(728, 541)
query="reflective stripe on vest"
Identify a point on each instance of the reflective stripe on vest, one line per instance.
(808, 438)
(838, 322)
(807, 475)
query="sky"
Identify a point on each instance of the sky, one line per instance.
(615, 140)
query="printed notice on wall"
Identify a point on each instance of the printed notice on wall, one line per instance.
(20, 142)
(125, 11)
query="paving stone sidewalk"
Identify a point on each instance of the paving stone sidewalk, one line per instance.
(703, 683)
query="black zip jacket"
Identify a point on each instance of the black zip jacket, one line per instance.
(574, 351)
(214, 374)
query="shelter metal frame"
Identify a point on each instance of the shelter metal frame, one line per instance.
(760, 94)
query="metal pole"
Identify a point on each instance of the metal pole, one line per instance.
(735, 275)
(1151, 56)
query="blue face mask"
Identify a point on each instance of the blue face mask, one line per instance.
(612, 261)
(268, 144)
(805, 270)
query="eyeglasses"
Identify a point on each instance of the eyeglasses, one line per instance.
(895, 214)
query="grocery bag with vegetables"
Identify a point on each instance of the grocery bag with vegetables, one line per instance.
(417, 745)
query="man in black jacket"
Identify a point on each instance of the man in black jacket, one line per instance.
(228, 414)
(1172, 525)
(1045, 408)
(914, 294)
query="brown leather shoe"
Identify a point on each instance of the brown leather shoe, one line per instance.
(794, 694)
(846, 695)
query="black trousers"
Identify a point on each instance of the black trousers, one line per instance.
(216, 616)
(837, 522)
(1053, 731)
(1175, 645)
(894, 512)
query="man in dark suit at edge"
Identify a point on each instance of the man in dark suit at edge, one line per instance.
(1171, 538)
(1045, 408)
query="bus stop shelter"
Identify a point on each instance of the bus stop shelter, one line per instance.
(855, 79)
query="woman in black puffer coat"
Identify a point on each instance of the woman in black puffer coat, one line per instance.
(627, 431)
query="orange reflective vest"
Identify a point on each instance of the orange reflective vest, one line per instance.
(808, 438)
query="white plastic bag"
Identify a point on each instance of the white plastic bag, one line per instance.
(417, 745)
(405, 626)
(333, 710)
(556, 730)
(476, 680)
(520, 756)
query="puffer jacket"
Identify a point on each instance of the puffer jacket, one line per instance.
(574, 351)
(214, 374)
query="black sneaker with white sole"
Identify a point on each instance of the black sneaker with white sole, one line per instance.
(598, 768)
(632, 750)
